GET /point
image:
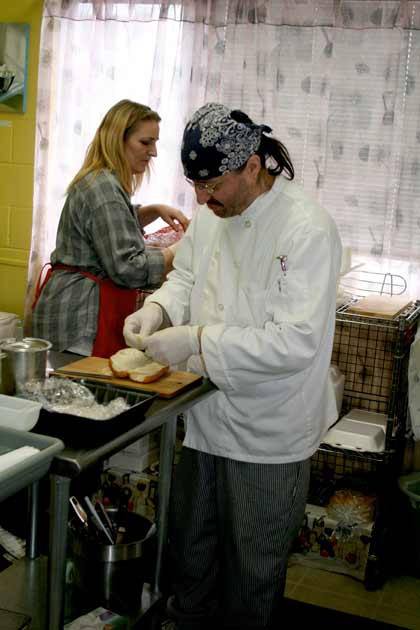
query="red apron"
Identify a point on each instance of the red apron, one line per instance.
(115, 303)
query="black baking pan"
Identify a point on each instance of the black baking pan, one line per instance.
(80, 431)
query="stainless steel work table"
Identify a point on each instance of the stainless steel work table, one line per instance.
(72, 462)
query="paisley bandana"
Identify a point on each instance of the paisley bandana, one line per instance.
(218, 140)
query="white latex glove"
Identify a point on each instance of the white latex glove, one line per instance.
(173, 345)
(196, 364)
(141, 324)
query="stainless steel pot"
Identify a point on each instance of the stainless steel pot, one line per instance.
(6, 378)
(26, 360)
(114, 574)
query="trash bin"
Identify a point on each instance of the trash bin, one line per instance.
(410, 486)
(113, 575)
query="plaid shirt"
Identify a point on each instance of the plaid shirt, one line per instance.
(100, 233)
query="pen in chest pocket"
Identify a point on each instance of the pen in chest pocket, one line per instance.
(284, 267)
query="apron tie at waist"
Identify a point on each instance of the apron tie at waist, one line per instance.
(115, 304)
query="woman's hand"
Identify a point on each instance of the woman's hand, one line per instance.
(173, 217)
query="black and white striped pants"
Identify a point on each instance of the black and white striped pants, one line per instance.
(231, 527)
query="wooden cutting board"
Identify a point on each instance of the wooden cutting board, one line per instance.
(97, 369)
(384, 306)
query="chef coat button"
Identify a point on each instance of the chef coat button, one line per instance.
(248, 223)
(220, 307)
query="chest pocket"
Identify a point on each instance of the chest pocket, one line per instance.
(250, 308)
(288, 298)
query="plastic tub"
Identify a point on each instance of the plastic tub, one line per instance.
(410, 485)
(18, 413)
(31, 469)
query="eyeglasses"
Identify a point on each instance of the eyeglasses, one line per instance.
(202, 186)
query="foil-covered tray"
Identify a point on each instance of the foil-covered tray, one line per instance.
(84, 431)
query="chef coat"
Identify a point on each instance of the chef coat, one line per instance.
(263, 286)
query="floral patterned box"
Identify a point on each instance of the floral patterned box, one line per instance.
(325, 543)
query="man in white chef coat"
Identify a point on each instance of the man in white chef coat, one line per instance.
(250, 304)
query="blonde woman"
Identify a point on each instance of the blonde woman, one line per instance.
(101, 258)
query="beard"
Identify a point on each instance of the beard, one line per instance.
(238, 202)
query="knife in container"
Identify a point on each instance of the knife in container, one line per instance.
(97, 521)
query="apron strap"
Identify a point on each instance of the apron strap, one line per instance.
(115, 304)
(87, 274)
(40, 284)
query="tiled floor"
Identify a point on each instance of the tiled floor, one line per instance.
(398, 602)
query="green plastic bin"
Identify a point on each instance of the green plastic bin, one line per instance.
(410, 486)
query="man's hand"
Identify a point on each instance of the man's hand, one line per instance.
(141, 324)
(173, 345)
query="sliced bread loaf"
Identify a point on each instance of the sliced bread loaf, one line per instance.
(135, 365)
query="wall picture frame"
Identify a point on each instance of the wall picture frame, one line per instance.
(14, 57)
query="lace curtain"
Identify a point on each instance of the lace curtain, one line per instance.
(337, 80)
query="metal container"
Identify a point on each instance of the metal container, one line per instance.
(26, 360)
(114, 574)
(7, 385)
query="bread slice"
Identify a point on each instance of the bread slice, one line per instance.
(148, 373)
(127, 359)
(135, 365)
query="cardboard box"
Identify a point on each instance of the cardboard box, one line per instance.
(149, 442)
(133, 462)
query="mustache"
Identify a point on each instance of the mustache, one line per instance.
(213, 202)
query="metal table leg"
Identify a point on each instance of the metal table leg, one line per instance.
(32, 550)
(166, 460)
(59, 512)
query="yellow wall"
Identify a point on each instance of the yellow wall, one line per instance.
(17, 135)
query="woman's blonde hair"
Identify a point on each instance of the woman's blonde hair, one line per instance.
(107, 147)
